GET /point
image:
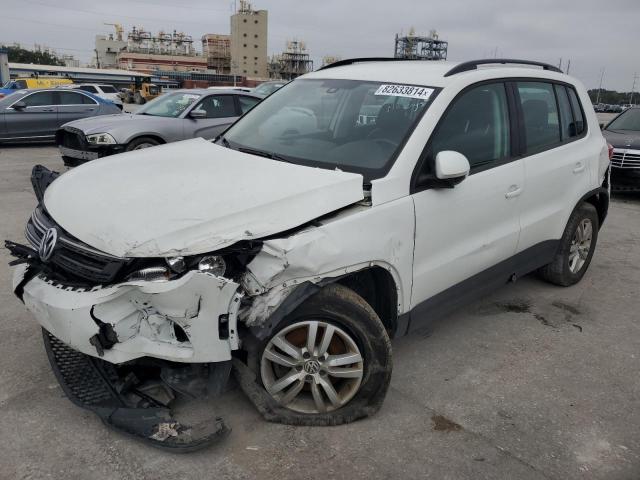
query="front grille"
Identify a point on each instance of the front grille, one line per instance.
(625, 158)
(72, 138)
(73, 261)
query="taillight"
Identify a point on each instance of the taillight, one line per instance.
(610, 147)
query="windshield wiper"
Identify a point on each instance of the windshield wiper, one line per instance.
(262, 153)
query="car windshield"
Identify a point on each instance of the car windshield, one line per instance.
(351, 125)
(108, 89)
(170, 105)
(267, 88)
(629, 120)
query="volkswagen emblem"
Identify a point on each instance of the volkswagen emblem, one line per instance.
(48, 244)
(311, 367)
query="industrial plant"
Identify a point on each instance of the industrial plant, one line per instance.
(416, 47)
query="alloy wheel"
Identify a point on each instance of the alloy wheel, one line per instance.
(580, 245)
(312, 367)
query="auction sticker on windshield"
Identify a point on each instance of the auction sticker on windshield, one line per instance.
(409, 91)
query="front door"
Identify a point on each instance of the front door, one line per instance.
(463, 231)
(221, 111)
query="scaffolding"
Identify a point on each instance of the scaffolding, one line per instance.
(217, 49)
(291, 63)
(413, 47)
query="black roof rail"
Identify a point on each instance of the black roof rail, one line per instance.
(351, 61)
(473, 65)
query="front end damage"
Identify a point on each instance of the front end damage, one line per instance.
(126, 337)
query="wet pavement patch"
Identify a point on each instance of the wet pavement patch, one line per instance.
(443, 424)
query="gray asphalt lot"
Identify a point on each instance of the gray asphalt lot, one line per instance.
(532, 382)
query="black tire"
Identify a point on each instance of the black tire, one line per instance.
(138, 143)
(558, 271)
(342, 307)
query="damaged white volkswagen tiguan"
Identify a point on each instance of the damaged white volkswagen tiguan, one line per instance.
(350, 207)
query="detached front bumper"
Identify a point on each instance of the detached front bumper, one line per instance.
(75, 150)
(190, 320)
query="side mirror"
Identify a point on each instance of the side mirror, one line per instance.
(451, 167)
(19, 105)
(198, 114)
(602, 126)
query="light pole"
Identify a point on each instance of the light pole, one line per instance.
(633, 88)
(600, 87)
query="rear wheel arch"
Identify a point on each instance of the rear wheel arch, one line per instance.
(600, 200)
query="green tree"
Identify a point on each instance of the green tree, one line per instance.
(22, 55)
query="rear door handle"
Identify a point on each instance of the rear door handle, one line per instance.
(514, 191)
(579, 167)
(48, 110)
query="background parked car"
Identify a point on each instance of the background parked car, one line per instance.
(267, 88)
(623, 133)
(174, 116)
(107, 92)
(35, 115)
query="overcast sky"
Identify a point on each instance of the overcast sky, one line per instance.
(594, 34)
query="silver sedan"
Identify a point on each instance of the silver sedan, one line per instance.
(179, 115)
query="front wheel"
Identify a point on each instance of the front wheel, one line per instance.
(329, 361)
(140, 143)
(576, 248)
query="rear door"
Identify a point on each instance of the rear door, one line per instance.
(556, 158)
(38, 120)
(221, 111)
(73, 105)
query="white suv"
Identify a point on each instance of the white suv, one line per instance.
(304, 238)
(108, 92)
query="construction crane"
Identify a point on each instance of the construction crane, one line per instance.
(119, 30)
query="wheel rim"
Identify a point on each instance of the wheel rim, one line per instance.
(312, 367)
(580, 245)
(144, 145)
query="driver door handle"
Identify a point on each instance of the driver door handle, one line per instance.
(514, 191)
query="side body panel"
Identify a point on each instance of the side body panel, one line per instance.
(466, 229)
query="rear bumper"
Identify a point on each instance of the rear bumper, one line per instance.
(189, 320)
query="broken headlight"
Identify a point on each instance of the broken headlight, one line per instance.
(101, 139)
(213, 264)
(177, 264)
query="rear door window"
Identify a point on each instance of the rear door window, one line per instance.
(247, 103)
(74, 98)
(540, 114)
(566, 115)
(88, 88)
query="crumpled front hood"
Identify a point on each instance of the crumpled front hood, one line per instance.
(191, 197)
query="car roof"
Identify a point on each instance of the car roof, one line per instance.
(206, 91)
(427, 73)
